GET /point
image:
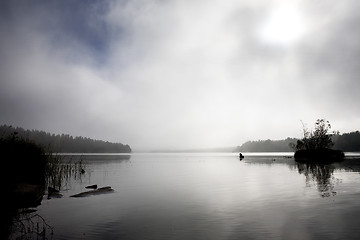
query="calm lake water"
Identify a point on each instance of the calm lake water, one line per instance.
(208, 196)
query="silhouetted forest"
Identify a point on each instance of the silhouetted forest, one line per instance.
(347, 142)
(64, 142)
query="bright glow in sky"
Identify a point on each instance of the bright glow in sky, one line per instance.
(179, 74)
(284, 25)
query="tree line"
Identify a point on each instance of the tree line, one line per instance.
(64, 143)
(347, 142)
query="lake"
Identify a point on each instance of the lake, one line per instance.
(208, 196)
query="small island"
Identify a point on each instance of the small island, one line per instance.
(316, 146)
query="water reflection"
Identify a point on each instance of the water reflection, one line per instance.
(97, 158)
(321, 174)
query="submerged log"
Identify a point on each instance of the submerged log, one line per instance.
(98, 191)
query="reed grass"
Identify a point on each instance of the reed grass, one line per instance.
(59, 170)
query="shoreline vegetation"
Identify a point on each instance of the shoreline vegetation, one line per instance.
(31, 167)
(28, 171)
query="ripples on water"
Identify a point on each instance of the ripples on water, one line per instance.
(209, 196)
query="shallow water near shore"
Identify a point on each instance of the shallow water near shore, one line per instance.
(208, 196)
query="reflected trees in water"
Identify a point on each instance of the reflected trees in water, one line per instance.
(321, 174)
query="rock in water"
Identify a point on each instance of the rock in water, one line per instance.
(54, 193)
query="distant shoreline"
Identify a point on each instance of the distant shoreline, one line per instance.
(64, 143)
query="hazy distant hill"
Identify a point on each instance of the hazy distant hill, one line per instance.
(195, 150)
(64, 142)
(267, 146)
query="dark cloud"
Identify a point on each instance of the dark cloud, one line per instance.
(69, 24)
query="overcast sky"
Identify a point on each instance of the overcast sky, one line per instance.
(179, 74)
